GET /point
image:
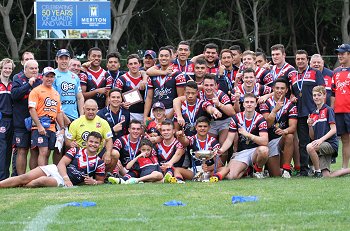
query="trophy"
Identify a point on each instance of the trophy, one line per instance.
(202, 155)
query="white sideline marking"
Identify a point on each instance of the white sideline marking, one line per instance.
(45, 217)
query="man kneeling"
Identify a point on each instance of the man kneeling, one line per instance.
(78, 166)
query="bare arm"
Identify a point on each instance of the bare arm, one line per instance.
(80, 102)
(148, 104)
(194, 58)
(62, 169)
(155, 71)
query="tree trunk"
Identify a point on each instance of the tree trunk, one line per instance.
(121, 20)
(243, 25)
(344, 22)
(290, 14)
(256, 24)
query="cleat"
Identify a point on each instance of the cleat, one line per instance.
(258, 175)
(286, 174)
(115, 180)
(318, 175)
(213, 179)
(167, 178)
(131, 181)
(295, 173)
(173, 180)
(266, 173)
(179, 181)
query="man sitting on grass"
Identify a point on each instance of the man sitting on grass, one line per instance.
(78, 166)
(323, 131)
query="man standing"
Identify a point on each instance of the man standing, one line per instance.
(181, 63)
(341, 100)
(23, 83)
(149, 59)
(302, 83)
(96, 82)
(113, 67)
(45, 109)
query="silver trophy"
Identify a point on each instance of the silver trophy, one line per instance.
(202, 155)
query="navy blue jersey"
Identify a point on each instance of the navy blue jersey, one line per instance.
(20, 93)
(166, 152)
(223, 98)
(115, 75)
(127, 83)
(322, 120)
(113, 119)
(302, 85)
(187, 70)
(191, 113)
(126, 148)
(282, 72)
(6, 104)
(263, 76)
(209, 144)
(164, 87)
(83, 165)
(227, 80)
(328, 80)
(254, 126)
(287, 112)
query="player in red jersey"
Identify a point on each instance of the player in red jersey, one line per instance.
(210, 54)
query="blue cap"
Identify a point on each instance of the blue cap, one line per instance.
(158, 105)
(343, 48)
(62, 52)
(151, 53)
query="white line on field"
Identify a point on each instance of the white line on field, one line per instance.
(45, 217)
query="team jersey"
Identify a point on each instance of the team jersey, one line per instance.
(164, 87)
(20, 92)
(115, 118)
(223, 98)
(144, 162)
(166, 152)
(254, 126)
(209, 144)
(258, 90)
(191, 113)
(5, 99)
(80, 128)
(68, 86)
(263, 76)
(227, 80)
(328, 80)
(302, 85)
(127, 83)
(214, 68)
(187, 70)
(94, 80)
(282, 72)
(287, 112)
(46, 102)
(126, 148)
(321, 126)
(153, 127)
(82, 165)
(115, 76)
(341, 90)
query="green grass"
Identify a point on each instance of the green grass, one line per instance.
(295, 204)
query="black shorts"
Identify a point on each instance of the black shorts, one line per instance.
(43, 141)
(22, 139)
(342, 121)
(149, 169)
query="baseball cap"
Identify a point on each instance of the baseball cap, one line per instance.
(151, 53)
(158, 105)
(48, 70)
(343, 48)
(62, 52)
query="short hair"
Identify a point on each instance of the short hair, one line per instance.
(236, 48)
(209, 76)
(278, 47)
(200, 61)
(168, 122)
(147, 142)
(133, 121)
(248, 70)
(249, 52)
(187, 43)
(25, 53)
(30, 61)
(203, 119)
(302, 52)
(280, 80)
(133, 56)
(262, 54)
(73, 59)
(171, 48)
(211, 46)
(94, 49)
(249, 95)
(192, 84)
(6, 61)
(316, 56)
(225, 51)
(113, 55)
(95, 134)
(114, 90)
(166, 49)
(320, 89)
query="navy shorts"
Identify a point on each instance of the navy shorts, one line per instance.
(21, 139)
(149, 169)
(43, 141)
(342, 121)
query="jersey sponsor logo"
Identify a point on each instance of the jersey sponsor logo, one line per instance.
(65, 102)
(2, 129)
(50, 102)
(160, 93)
(85, 135)
(40, 140)
(67, 86)
(98, 125)
(18, 140)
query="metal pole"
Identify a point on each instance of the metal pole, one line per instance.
(48, 52)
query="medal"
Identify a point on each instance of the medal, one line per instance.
(277, 125)
(247, 142)
(300, 85)
(229, 92)
(300, 94)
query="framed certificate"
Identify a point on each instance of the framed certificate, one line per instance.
(133, 96)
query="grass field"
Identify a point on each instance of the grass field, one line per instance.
(294, 204)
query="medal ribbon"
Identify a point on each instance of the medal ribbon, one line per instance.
(199, 145)
(251, 125)
(192, 115)
(132, 153)
(300, 86)
(280, 112)
(273, 72)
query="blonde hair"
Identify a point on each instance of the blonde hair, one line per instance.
(251, 53)
(320, 89)
(6, 61)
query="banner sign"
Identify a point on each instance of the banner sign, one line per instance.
(73, 19)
